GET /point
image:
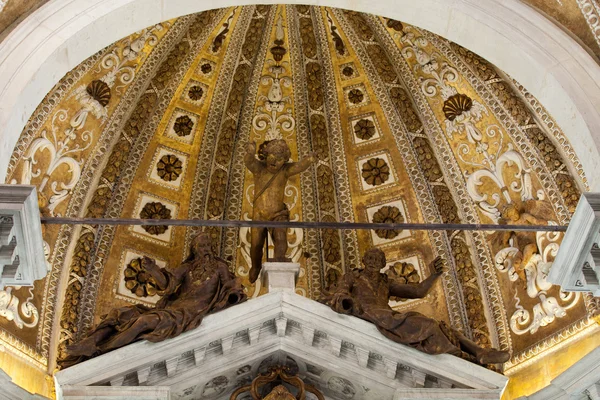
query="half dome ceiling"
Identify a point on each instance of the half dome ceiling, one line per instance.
(407, 127)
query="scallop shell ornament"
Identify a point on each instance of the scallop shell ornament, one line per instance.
(99, 91)
(455, 105)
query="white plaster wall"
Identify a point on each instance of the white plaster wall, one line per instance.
(513, 36)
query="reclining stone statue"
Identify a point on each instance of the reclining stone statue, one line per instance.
(365, 294)
(201, 285)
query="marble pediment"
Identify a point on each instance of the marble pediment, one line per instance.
(343, 356)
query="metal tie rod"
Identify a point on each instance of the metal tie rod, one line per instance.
(302, 224)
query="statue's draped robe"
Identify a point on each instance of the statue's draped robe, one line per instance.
(187, 298)
(368, 299)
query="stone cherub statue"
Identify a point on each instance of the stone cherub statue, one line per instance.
(201, 285)
(271, 173)
(365, 294)
(524, 241)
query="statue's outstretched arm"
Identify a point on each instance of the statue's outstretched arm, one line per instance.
(250, 160)
(156, 273)
(417, 290)
(302, 165)
(340, 298)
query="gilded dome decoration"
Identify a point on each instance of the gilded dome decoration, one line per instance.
(375, 171)
(206, 68)
(356, 96)
(456, 105)
(183, 125)
(331, 246)
(195, 93)
(99, 91)
(406, 126)
(364, 129)
(137, 280)
(313, 75)
(169, 167)
(278, 51)
(332, 277)
(404, 272)
(155, 210)
(388, 215)
(348, 71)
(395, 25)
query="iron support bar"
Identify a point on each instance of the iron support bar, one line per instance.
(301, 224)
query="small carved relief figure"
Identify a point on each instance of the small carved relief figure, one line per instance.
(272, 382)
(271, 174)
(201, 285)
(365, 294)
(524, 241)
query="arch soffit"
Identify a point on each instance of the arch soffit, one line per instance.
(511, 35)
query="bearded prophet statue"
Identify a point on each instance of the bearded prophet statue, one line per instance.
(201, 285)
(271, 173)
(365, 294)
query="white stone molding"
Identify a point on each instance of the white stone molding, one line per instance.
(516, 38)
(116, 393)
(576, 267)
(22, 259)
(336, 348)
(280, 276)
(581, 381)
(11, 391)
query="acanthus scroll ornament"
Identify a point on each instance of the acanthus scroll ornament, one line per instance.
(507, 170)
(67, 149)
(9, 309)
(61, 152)
(274, 116)
(441, 74)
(462, 112)
(536, 269)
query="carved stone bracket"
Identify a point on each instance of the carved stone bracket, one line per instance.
(576, 267)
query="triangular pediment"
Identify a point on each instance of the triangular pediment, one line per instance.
(345, 357)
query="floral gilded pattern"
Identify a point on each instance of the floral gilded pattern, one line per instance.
(206, 68)
(183, 125)
(195, 93)
(169, 167)
(155, 210)
(138, 281)
(364, 129)
(375, 171)
(356, 96)
(348, 71)
(388, 215)
(403, 272)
